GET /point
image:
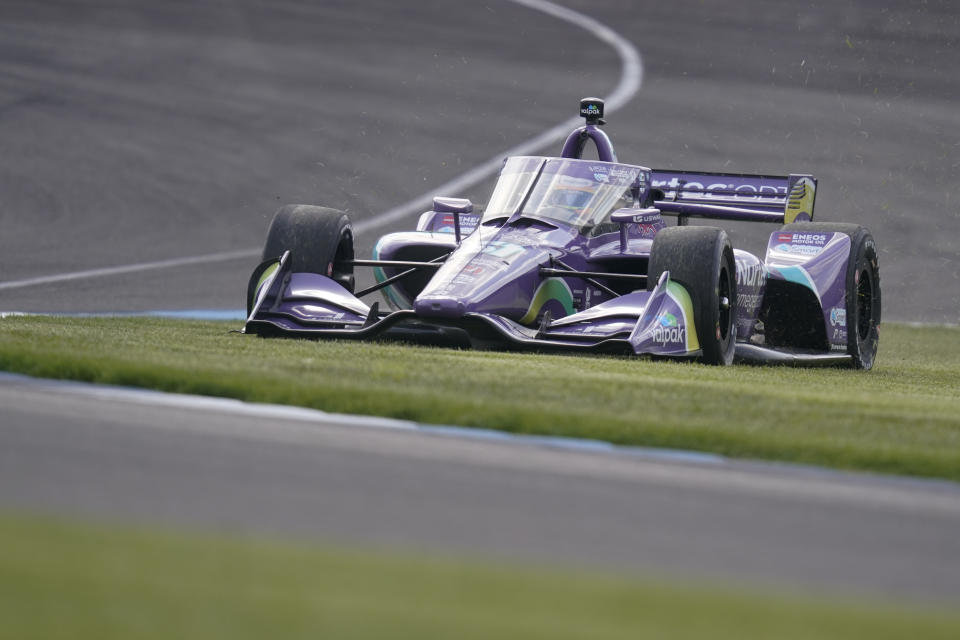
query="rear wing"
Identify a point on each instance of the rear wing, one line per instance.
(734, 196)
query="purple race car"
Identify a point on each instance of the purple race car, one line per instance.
(574, 255)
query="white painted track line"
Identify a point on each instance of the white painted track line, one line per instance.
(631, 78)
(131, 268)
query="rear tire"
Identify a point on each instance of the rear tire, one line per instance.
(863, 288)
(319, 239)
(701, 259)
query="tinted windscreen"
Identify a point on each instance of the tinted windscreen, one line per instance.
(515, 179)
(579, 193)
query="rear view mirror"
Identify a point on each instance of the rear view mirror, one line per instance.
(454, 206)
(623, 217)
(644, 216)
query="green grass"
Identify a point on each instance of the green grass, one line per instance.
(77, 581)
(902, 417)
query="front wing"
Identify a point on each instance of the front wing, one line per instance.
(658, 322)
(653, 323)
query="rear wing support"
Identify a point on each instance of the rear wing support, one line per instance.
(734, 196)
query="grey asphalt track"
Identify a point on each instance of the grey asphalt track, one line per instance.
(142, 131)
(212, 465)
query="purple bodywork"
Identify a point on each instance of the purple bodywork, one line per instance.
(497, 279)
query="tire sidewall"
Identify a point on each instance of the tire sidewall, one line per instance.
(863, 259)
(724, 261)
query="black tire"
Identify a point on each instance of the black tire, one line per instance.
(701, 259)
(319, 240)
(863, 288)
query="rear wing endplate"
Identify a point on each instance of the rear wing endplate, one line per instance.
(734, 196)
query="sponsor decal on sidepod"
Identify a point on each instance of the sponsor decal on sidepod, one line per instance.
(838, 317)
(751, 274)
(801, 244)
(819, 239)
(798, 249)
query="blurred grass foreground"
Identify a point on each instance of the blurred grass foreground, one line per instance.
(80, 581)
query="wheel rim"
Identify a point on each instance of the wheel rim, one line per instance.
(725, 304)
(864, 304)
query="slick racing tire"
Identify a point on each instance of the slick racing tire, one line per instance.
(319, 240)
(863, 288)
(701, 259)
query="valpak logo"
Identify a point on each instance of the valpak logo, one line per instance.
(590, 110)
(668, 331)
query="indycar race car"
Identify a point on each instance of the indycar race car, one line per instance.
(572, 254)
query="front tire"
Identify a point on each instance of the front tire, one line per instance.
(701, 259)
(319, 239)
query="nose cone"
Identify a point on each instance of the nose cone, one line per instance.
(495, 273)
(439, 306)
(485, 284)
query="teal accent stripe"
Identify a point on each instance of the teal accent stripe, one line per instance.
(799, 275)
(393, 297)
